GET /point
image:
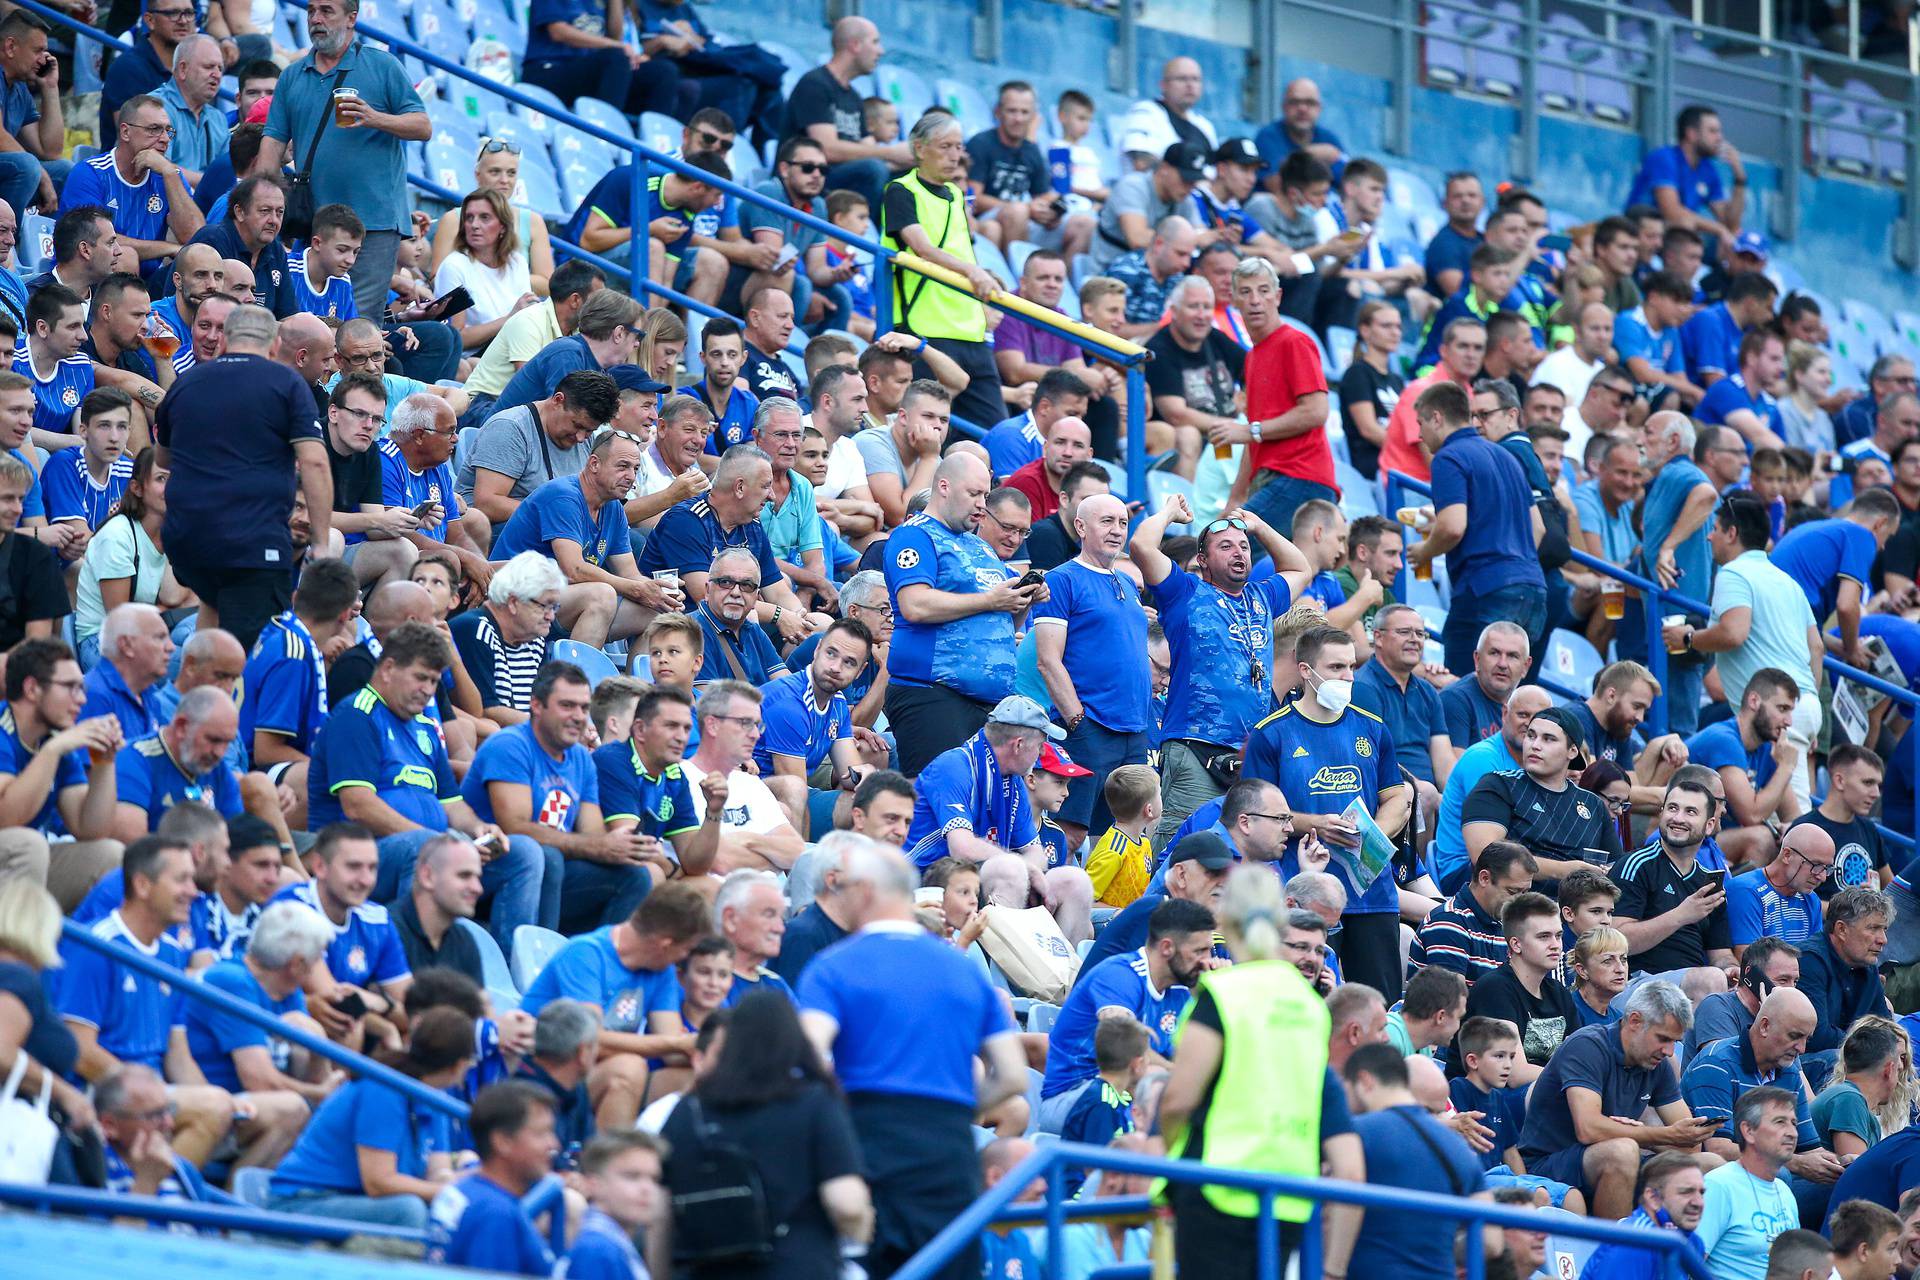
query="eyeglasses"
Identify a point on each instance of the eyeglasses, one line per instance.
(71, 686)
(494, 146)
(162, 130)
(365, 415)
(549, 607)
(1485, 415)
(171, 15)
(881, 611)
(1620, 395)
(1222, 525)
(745, 722)
(1271, 817)
(368, 360)
(154, 1116)
(1022, 529)
(742, 585)
(1818, 866)
(806, 166)
(1619, 806)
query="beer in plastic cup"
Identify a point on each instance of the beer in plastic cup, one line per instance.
(1673, 619)
(341, 95)
(1613, 598)
(1424, 571)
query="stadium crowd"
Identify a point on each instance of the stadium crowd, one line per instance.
(862, 787)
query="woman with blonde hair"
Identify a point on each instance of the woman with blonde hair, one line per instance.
(497, 168)
(30, 1029)
(1872, 1089)
(663, 340)
(488, 261)
(1599, 963)
(1809, 377)
(1220, 1107)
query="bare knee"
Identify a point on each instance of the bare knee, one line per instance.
(1615, 1157)
(1004, 881)
(1071, 887)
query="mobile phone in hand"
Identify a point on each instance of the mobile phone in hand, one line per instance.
(1716, 879)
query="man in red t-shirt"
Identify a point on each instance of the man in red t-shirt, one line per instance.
(1286, 408)
(1068, 441)
(1463, 349)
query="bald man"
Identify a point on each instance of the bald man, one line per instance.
(456, 703)
(952, 653)
(306, 347)
(1154, 124)
(1769, 1054)
(1089, 633)
(825, 106)
(1299, 129)
(1781, 899)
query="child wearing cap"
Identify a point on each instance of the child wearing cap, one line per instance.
(1047, 785)
(1121, 862)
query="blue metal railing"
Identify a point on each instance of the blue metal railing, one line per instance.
(1050, 1163)
(290, 1226)
(1654, 598)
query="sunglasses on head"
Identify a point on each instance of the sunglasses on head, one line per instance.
(494, 146)
(1222, 525)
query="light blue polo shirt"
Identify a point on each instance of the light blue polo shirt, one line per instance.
(793, 527)
(1778, 634)
(364, 168)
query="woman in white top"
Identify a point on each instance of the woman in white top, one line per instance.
(497, 168)
(124, 561)
(1809, 377)
(663, 340)
(488, 261)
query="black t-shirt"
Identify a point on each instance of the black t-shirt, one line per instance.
(134, 360)
(765, 376)
(356, 477)
(898, 211)
(807, 935)
(48, 1042)
(818, 98)
(1544, 1020)
(1004, 172)
(1858, 853)
(1650, 887)
(796, 1144)
(32, 588)
(1205, 379)
(1364, 384)
(1569, 824)
(1902, 554)
(1604, 746)
(1049, 545)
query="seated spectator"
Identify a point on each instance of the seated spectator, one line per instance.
(644, 790)
(1749, 1202)
(1138, 202)
(153, 208)
(769, 327)
(372, 1154)
(29, 946)
(527, 332)
(1573, 368)
(756, 829)
(1430, 1012)
(603, 336)
(479, 1219)
(797, 262)
(1597, 968)
(1670, 1195)
(749, 911)
(32, 567)
(1120, 863)
(1768, 1054)
(1866, 1241)
(1838, 970)
(1488, 1048)
(1710, 341)
(1682, 182)
(137, 1119)
(1150, 273)
(1390, 683)
(56, 330)
(627, 970)
(605, 222)
(503, 642)
(496, 168)
(1571, 1135)
(135, 652)
(284, 691)
(286, 944)
(1121, 1047)
(446, 889)
(1025, 353)
(490, 262)
(1463, 200)
(1540, 805)
(518, 451)
(1464, 933)
(735, 646)
(1693, 931)
(1647, 339)
(1768, 963)
(1524, 990)
(416, 476)
(1778, 900)
(183, 759)
(1068, 442)
(1875, 1069)
(1020, 440)
(1472, 707)
(365, 958)
(1749, 751)
(566, 1041)
(1150, 985)
(87, 481)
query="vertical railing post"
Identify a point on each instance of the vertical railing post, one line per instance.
(637, 245)
(1476, 1250)
(1527, 163)
(1267, 1241)
(1310, 1245)
(1786, 214)
(1907, 243)
(883, 270)
(1137, 433)
(1406, 15)
(1659, 714)
(1658, 116)
(988, 30)
(1123, 60)
(1262, 96)
(1056, 1218)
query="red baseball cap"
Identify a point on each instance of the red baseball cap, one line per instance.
(1057, 762)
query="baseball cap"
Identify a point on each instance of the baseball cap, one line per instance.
(1238, 151)
(1189, 159)
(631, 377)
(1569, 723)
(1025, 713)
(1205, 848)
(1751, 242)
(1057, 762)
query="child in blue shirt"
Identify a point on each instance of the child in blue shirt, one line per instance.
(849, 211)
(1120, 1051)
(1487, 1049)
(1047, 786)
(621, 1171)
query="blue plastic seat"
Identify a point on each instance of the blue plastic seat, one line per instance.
(604, 115)
(532, 948)
(596, 664)
(495, 975)
(252, 1185)
(1571, 660)
(1041, 1016)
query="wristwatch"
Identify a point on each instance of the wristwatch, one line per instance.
(1686, 645)
(1254, 427)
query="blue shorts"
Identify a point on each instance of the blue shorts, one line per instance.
(1096, 747)
(1501, 1176)
(1566, 1166)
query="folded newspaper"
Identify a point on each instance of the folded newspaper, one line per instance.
(1364, 864)
(1853, 702)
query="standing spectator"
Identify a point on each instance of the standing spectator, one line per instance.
(189, 96)
(1670, 1197)
(1693, 930)
(1684, 184)
(1749, 1203)
(477, 1220)
(625, 1202)
(234, 432)
(1839, 970)
(1571, 1132)
(1485, 522)
(951, 658)
(769, 1095)
(826, 107)
(1610, 503)
(1299, 129)
(1153, 125)
(1016, 199)
(912, 1101)
(32, 119)
(763, 371)
(1454, 243)
(924, 212)
(1437, 1161)
(576, 48)
(1330, 754)
(1288, 452)
(1674, 552)
(1219, 630)
(362, 165)
(1255, 1010)
(1463, 350)
(1370, 388)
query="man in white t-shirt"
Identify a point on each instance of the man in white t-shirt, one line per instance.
(1572, 367)
(839, 396)
(670, 470)
(1749, 1205)
(757, 829)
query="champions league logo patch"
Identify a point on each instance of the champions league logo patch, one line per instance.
(907, 558)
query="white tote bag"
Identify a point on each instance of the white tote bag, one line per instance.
(1030, 949)
(27, 1134)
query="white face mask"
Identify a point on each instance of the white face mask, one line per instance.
(1335, 695)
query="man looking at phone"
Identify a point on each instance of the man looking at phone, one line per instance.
(40, 134)
(522, 448)
(1693, 930)
(415, 478)
(375, 532)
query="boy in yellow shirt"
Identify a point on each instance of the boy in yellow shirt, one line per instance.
(1121, 861)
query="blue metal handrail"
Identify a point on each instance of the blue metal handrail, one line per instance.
(194, 989)
(1050, 1163)
(193, 1213)
(1653, 595)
